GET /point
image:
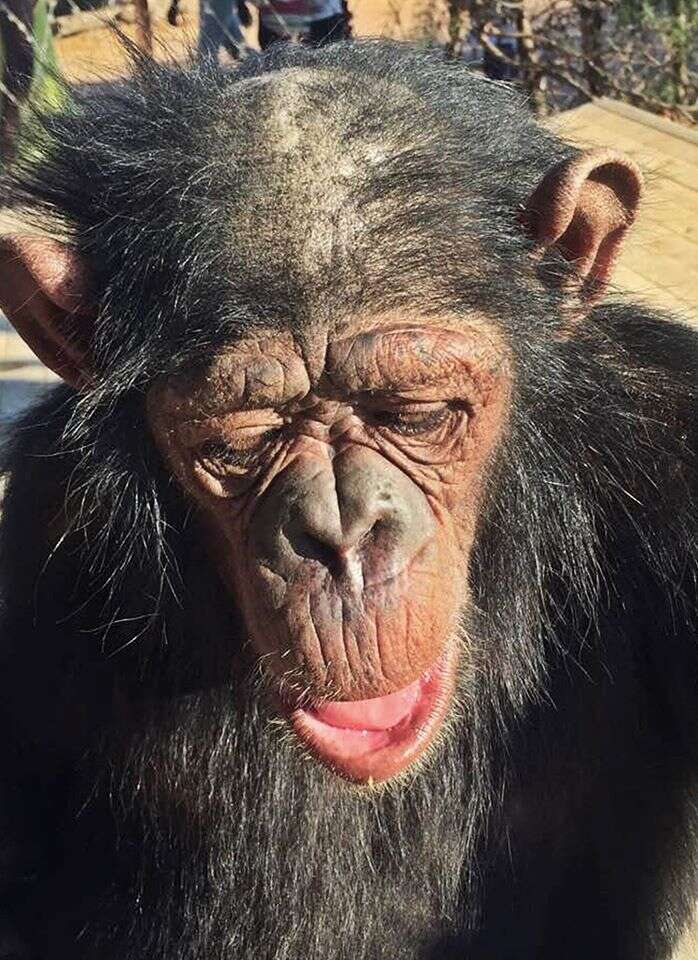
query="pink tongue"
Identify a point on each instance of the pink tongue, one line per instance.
(381, 713)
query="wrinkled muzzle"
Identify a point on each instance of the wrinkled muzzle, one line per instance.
(344, 554)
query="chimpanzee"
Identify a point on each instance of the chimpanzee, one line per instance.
(350, 579)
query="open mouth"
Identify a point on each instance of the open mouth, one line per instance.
(369, 741)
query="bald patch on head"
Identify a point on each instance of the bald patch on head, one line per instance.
(318, 196)
(310, 213)
(288, 100)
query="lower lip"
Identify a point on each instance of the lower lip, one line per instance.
(372, 754)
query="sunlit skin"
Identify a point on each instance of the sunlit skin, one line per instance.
(336, 495)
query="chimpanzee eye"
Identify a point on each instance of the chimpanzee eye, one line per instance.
(413, 422)
(220, 458)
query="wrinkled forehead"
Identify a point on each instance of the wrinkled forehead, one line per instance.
(372, 356)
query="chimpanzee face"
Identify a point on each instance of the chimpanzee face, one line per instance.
(339, 487)
(336, 460)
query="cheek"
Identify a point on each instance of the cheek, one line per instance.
(459, 503)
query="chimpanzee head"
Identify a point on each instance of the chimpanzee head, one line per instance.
(317, 283)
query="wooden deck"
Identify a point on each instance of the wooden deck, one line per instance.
(660, 264)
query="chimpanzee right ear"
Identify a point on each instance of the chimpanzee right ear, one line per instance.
(46, 294)
(582, 210)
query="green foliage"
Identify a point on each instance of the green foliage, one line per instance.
(675, 22)
(674, 19)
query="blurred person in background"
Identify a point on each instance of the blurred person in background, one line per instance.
(506, 41)
(315, 21)
(220, 27)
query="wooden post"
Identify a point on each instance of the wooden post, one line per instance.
(454, 45)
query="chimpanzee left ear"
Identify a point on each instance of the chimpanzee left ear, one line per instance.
(582, 209)
(46, 295)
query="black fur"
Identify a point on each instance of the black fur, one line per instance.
(150, 808)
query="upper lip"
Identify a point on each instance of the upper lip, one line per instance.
(346, 583)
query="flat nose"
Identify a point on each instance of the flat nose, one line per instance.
(358, 515)
(335, 521)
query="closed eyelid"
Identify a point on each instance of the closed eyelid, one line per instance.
(402, 401)
(195, 431)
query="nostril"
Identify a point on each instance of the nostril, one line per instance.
(334, 549)
(371, 535)
(310, 547)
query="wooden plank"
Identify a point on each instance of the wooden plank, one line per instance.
(662, 252)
